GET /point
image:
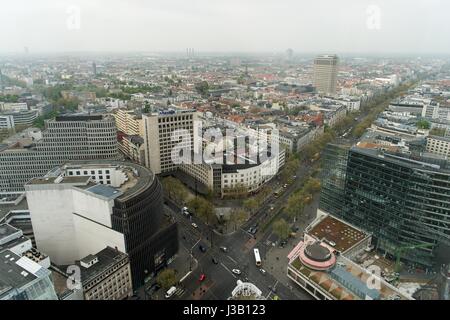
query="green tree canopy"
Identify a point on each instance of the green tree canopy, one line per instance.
(281, 229)
(166, 278)
(202, 208)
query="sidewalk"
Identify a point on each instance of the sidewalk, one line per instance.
(275, 261)
(180, 264)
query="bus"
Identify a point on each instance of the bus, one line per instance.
(257, 257)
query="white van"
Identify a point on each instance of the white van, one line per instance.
(170, 292)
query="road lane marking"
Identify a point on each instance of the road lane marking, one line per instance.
(228, 270)
(232, 259)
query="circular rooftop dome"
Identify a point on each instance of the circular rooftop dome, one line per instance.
(317, 252)
(317, 256)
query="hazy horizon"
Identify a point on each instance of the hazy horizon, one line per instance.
(225, 26)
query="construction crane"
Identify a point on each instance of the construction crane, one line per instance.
(399, 251)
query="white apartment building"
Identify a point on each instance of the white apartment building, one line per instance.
(227, 179)
(6, 122)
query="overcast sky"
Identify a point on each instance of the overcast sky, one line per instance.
(359, 26)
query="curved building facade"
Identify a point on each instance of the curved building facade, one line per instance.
(93, 205)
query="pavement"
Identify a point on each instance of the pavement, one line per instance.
(220, 280)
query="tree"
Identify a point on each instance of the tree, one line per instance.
(312, 186)
(237, 217)
(290, 168)
(175, 189)
(423, 124)
(250, 204)
(295, 206)
(9, 98)
(202, 208)
(202, 88)
(167, 278)
(40, 121)
(281, 229)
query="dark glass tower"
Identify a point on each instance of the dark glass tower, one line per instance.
(403, 202)
(149, 244)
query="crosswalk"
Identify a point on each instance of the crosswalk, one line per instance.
(179, 292)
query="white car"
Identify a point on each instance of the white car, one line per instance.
(262, 271)
(194, 225)
(236, 271)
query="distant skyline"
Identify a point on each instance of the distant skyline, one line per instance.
(322, 26)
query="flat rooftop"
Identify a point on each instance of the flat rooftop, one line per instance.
(107, 258)
(105, 191)
(7, 230)
(346, 281)
(138, 178)
(65, 180)
(78, 118)
(332, 229)
(436, 163)
(12, 275)
(7, 206)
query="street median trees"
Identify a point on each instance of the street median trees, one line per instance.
(237, 217)
(295, 206)
(202, 208)
(250, 204)
(281, 229)
(174, 189)
(312, 186)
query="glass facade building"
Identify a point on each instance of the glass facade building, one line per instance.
(403, 201)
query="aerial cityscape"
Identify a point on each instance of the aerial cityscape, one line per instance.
(198, 166)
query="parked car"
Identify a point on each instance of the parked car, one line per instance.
(262, 271)
(202, 277)
(202, 248)
(194, 225)
(236, 271)
(224, 249)
(214, 260)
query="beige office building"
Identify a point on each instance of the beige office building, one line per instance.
(158, 129)
(325, 73)
(129, 123)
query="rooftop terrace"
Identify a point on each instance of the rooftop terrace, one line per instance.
(335, 231)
